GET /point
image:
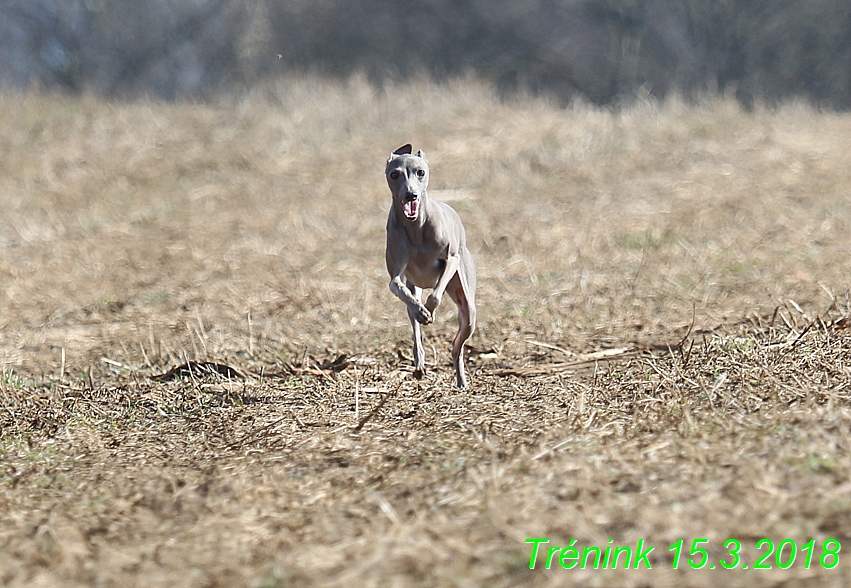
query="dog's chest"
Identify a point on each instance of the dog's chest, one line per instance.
(425, 266)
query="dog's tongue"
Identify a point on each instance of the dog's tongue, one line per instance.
(411, 208)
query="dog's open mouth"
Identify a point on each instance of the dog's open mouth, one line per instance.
(411, 208)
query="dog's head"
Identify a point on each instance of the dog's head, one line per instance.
(407, 176)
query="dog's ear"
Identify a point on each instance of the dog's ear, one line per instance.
(404, 150)
(421, 155)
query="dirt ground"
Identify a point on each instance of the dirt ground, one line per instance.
(206, 382)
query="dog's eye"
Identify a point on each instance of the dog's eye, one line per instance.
(394, 175)
(421, 173)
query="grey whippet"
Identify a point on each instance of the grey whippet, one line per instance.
(427, 248)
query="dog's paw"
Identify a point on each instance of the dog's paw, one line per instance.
(423, 315)
(432, 302)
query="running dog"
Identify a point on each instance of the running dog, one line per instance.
(427, 248)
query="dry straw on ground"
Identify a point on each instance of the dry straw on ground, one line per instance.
(662, 350)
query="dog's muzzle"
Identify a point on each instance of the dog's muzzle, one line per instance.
(412, 207)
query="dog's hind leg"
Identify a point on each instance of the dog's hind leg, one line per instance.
(466, 301)
(419, 350)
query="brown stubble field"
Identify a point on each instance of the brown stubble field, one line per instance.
(662, 350)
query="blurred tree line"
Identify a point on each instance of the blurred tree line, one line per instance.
(603, 50)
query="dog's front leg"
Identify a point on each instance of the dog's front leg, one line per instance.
(415, 307)
(449, 270)
(419, 350)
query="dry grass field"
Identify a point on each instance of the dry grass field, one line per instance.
(662, 352)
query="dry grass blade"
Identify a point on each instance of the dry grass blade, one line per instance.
(581, 361)
(384, 398)
(199, 368)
